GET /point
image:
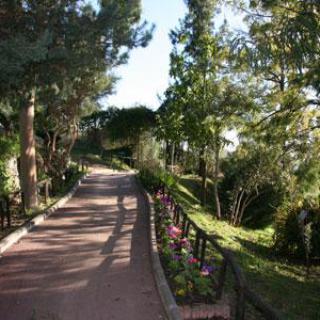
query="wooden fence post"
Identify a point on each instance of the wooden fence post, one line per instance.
(203, 251)
(175, 210)
(7, 200)
(4, 211)
(23, 203)
(184, 221)
(178, 215)
(187, 229)
(196, 246)
(222, 278)
(240, 303)
(46, 191)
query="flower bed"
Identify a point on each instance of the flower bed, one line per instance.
(191, 282)
(227, 294)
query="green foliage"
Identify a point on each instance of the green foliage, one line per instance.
(166, 178)
(127, 125)
(279, 280)
(73, 175)
(250, 177)
(308, 181)
(296, 239)
(9, 148)
(152, 179)
(63, 53)
(149, 179)
(97, 120)
(118, 164)
(188, 281)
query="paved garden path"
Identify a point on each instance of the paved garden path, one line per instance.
(88, 261)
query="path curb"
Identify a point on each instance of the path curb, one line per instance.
(15, 236)
(168, 301)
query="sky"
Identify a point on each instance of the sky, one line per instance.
(146, 76)
(147, 73)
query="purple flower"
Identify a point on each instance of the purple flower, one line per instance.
(206, 270)
(185, 243)
(176, 257)
(166, 200)
(172, 246)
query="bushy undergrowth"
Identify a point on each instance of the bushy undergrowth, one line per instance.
(9, 148)
(153, 178)
(280, 281)
(189, 281)
(294, 236)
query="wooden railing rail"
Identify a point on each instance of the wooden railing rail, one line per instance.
(83, 164)
(7, 201)
(244, 295)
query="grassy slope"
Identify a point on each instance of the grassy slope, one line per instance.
(281, 283)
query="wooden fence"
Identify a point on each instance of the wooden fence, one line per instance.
(201, 244)
(15, 200)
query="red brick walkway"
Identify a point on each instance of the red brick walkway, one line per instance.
(88, 261)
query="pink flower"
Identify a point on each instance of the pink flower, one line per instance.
(173, 232)
(185, 243)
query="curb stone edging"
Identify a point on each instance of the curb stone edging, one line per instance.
(16, 235)
(168, 301)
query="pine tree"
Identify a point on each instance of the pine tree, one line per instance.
(56, 43)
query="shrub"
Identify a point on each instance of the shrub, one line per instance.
(149, 179)
(245, 174)
(293, 238)
(189, 282)
(152, 179)
(9, 148)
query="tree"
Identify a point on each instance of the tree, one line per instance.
(63, 40)
(194, 63)
(206, 101)
(127, 125)
(274, 54)
(298, 28)
(250, 172)
(94, 124)
(170, 122)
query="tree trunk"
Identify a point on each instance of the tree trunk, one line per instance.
(245, 205)
(236, 215)
(216, 179)
(204, 184)
(234, 206)
(203, 174)
(28, 153)
(172, 156)
(167, 155)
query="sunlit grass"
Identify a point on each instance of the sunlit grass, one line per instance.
(281, 282)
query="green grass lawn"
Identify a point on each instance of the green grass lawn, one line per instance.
(280, 282)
